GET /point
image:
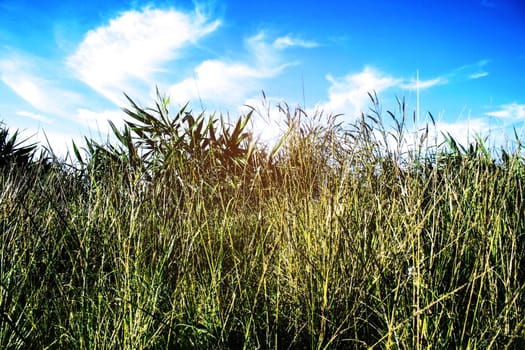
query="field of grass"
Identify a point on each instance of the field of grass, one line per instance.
(186, 233)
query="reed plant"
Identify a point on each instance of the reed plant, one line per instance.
(186, 232)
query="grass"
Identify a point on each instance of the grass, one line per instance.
(187, 233)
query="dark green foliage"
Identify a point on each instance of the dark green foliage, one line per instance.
(12, 151)
(164, 141)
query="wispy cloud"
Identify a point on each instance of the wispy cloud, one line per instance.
(469, 71)
(478, 64)
(423, 84)
(474, 70)
(291, 41)
(478, 75)
(263, 54)
(35, 116)
(512, 111)
(17, 72)
(127, 53)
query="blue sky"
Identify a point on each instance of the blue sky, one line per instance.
(64, 65)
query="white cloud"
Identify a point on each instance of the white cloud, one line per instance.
(219, 81)
(423, 84)
(263, 54)
(478, 75)
(135, 46)
(290, 41)
(229, 83)
(60, 142)
(471, 71)
(350, 94)
(509, 111)
(35, 116)
(216, 80)
(471, 66)
(268, 122)
(57, 140)
(29, 88)
(98, 120)
(42, 94)
(463, 131)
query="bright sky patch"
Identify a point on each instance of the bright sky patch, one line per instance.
(67, 64)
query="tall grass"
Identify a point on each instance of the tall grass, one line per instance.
(188, 233)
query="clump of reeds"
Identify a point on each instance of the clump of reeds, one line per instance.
(185, 232)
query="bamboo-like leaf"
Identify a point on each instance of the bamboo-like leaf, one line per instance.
(482, 147)
(117, 133)
(77, 154)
